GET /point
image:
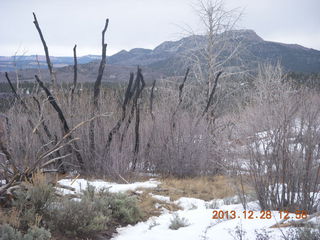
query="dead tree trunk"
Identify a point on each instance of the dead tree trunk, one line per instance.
(181, 86)
(46, 50)
(66, 129)
(97, 87)
(137, 123)
(151, 136)
(135, 93)
(116, 128)
(212, 93)
(75, 72)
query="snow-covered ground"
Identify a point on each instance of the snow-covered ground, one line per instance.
(81, 184)
(200, 225)
(197, 216)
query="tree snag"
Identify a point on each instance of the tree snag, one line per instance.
(97, 87)
(46, 50)
(66, 129)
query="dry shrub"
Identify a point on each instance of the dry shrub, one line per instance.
(178, 141)
(9, 233)
(178, 222)
(93, 213)
(10, 217)
(281, 136)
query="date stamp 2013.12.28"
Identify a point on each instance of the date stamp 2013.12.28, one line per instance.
(267, 214)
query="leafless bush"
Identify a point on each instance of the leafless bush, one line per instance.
(184, 143)
(280, 132)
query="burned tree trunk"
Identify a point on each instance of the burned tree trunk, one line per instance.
(115, 129)
(135, 93)
(46, 50)
(97, 88)
(75, 72)
(212, 93)
(66, 129)
(181, 86)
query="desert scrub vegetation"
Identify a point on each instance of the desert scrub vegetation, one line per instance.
(304, 233)
(39, 211)
(9, 233)
(94, 212)
(178, 222)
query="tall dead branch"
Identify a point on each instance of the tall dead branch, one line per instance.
(46, 50)
(151, 136)
(75, 72)
(17, 96)
(212, 93)
(97, 86)
(181, 86)
(116, 128)
(137, 122)
(66, 128)
(151, 100)
(52, 138)
(135, 93)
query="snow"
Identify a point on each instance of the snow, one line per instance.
(197, 214)
(81, 184)
(200, 224)
(160, 198)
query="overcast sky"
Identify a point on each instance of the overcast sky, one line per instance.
(142, 23)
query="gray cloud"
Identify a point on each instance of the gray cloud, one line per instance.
(142, 23)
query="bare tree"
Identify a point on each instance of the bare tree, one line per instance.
(97, 85)
(280, 126)
(215, 50)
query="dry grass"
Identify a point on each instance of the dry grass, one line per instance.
(10, 217)
(206, 188)
(151, 206)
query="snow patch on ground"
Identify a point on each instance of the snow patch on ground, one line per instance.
(81, 184)
(160, 198)
(200, 224)
(198, 215)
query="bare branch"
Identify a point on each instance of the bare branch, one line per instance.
(212, 93)
(75, 72)
(46, 50)
(97, 86)
(66, 128)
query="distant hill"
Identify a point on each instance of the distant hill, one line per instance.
(253, 50)
(169, 58)
(24, 62)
